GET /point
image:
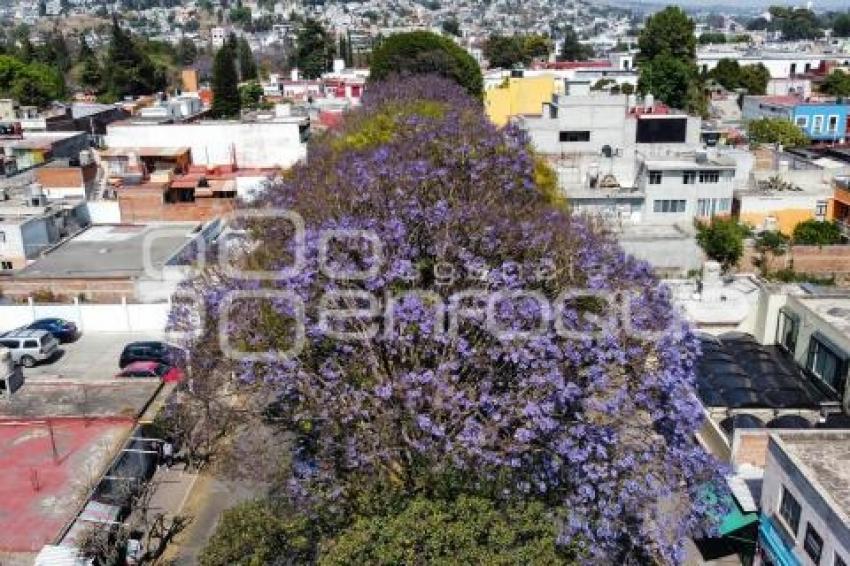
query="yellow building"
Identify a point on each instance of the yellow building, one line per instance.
(518, 96)
(781, 200)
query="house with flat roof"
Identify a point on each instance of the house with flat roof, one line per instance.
(805, 499)
(824, 121)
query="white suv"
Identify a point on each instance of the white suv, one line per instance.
(29, 347)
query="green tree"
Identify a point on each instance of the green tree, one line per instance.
(422, 52)
(536, 46)
(128, 70)
(709, 38)
(769, 244)
(256, 534)
(247, 64)
(468, 530)
(722, 240)
(754, 78)
(841, 25)
(187, 52)
(836, 83)
(250, 95)
(816, 233)
(776, 130)
(572, 49)
(505, 52)
(314, 50)
(451, 26)
(669, 32)
(727, 73)
(669, 79)
(226, 102)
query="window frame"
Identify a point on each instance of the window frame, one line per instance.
(689, 177)
(840, 364)
(580, 136)
(781, 324)
(829, 125)
(810, 534)
(792, 521)
(817, 124)
(655, 177)
(805, 122)
(709, 177)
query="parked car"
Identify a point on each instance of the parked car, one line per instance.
(150, 352)
(63, 330)
(29, 347)
(165, 372)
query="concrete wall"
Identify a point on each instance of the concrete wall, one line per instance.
(783, 471)
(672, 187)
(518, 97)
(259, 144)
(787, 210)
(118, 317)
(104, 211)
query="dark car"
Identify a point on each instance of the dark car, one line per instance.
(150, 352)
(61, 329)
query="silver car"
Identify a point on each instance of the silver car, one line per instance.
(28, 347)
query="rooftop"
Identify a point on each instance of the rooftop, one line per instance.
(42, 490)
(825, 456)
(114, 251)
(171, 152)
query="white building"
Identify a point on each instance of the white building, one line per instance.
(781, 64)
(266, 142)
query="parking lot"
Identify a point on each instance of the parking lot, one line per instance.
(92, 357)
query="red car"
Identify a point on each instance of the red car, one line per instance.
(165, 372)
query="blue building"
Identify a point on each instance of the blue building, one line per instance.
(822, 121)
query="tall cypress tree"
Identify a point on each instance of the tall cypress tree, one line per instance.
(226, 103)
(247, 65)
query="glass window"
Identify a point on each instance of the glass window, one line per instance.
(669, 205)
(5, 265)
(820, 208)
(789, 510)
(655, 177)
(709, 176)
(689, 177)
(30, 344)
(813, 544)
(725, 205)
(786, 332)
(825, 364)
(2, 237)
(817, 124)
(833, 124)
(802, 121)
(582, 136)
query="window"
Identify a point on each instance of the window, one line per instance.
(789, 510)
(786, 331)
(817, 124)
(825, 363)
(575, 136)
(30, 344)
(655, 177)
(2, 237)
(832, 125)
(11, 344)
(669, 206)
(707, 207)
(802, 121)
(709, 176)
(689, 177)
(820, 208)
(5, 265)
(813, 544)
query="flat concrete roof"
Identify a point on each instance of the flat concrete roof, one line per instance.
(825, 458)
(114, 251)
(125, 398)
(834, 310)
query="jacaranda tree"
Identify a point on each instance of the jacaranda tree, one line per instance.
(472, 340)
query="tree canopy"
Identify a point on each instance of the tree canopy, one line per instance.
(752, 78)
(816, 233)
(314, 50)
(30, 83)
(422, 52)
(572, 49)
(776, 130)
(668, 60)
(398, 419)
(722, 240)
(837, 83)
(670, 33)
(225, 84)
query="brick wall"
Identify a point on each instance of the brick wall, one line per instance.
(145, 204)
(826, 261)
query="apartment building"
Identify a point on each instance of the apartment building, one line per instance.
(821, 121)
